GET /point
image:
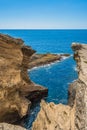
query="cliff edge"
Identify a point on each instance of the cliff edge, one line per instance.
(17, 91)
(74, 115)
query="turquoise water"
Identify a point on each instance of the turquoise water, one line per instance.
(55, 77)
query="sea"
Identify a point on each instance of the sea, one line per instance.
(56, 76)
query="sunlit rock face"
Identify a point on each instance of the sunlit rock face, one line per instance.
(74, 115)
(54, 117)
(16, 89)
(6, 126)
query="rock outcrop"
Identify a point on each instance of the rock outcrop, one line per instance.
(6, 126)
(80, 87)
(74, 115)
(43, 59)
(17, 91)
(54, 117)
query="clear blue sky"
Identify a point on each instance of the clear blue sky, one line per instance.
(46, 14)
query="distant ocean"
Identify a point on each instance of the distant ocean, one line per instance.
(56, 77)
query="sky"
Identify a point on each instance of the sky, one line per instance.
(43, 14)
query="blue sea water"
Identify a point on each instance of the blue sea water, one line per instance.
(56, 77)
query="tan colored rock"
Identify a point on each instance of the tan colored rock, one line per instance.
(81, 86)
(15, 86)
(81, 58)
(5, 126)
(43, 59)
(74, 115)
(54, 117)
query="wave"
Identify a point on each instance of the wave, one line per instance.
(75, 68)
(41, 66)
(49, 64)
(72, 81)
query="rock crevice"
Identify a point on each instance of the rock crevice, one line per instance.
(17, 91)
(15, 84)
(74, 115)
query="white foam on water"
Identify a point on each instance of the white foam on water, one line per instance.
(66, 57)
(75, 68)
(49, 64)
(72, 82)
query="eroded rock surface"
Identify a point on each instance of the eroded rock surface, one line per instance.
(43, 59)
(54, 117)
(74, 115)
(6, 126)
(81, 86)
(15, 86)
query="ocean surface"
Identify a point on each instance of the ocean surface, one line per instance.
(57, 76)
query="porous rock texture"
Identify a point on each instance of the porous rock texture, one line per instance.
(74, 115)
(6, 126)
(17, 91)
(79, 87)
(54, 117)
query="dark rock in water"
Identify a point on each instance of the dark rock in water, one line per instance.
(15, 85)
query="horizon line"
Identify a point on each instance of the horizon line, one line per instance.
(43, 29)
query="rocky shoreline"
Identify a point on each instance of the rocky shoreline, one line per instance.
(17, 91)
(37, 60)
(74, 115)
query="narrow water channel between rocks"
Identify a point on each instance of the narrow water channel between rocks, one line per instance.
(56, 77)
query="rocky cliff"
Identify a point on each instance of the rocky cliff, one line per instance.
(17, 91)
(78, 90)
(74, 115)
